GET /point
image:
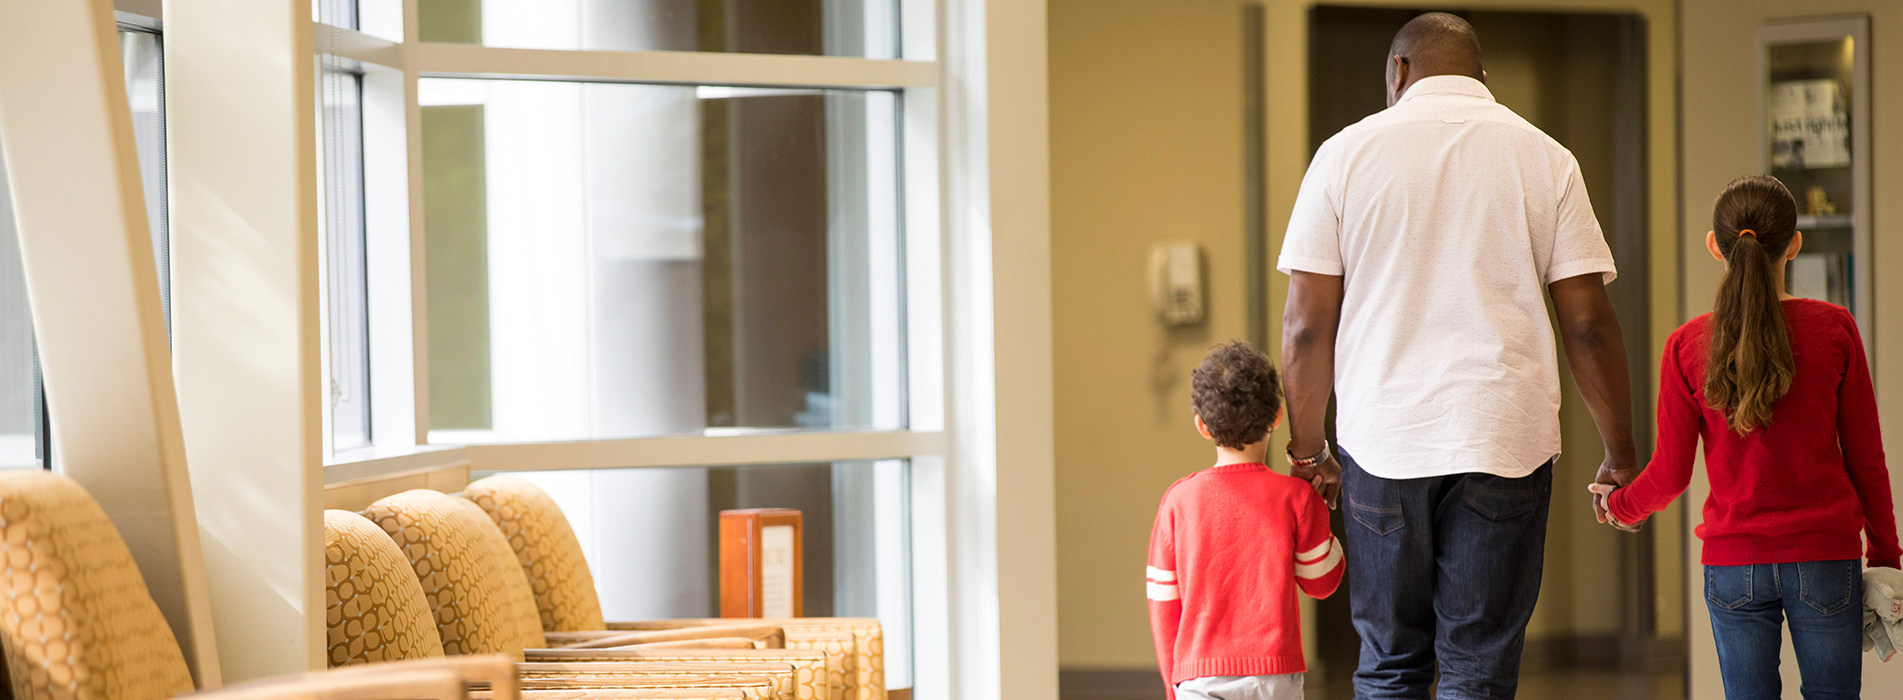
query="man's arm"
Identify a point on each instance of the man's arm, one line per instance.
(1309, 323)
(1595, 351)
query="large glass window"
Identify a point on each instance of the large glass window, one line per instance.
(613, 260)
(615, 248)
(24, 436)
(347, 351)
(865, 28)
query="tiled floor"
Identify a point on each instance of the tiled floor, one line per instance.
(1570, 684)
(1565, 685)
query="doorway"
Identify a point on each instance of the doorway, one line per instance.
(1580, 77)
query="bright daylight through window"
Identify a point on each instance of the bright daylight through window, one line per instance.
(633, 260)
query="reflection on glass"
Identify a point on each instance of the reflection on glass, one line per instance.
(864, 28)
(346, 286)
(650, 536)
(19, 373)
(639, 260)
(22, 411)
(336, 13)
(143, 60)
(1809, 117)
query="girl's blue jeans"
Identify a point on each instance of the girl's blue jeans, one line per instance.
(1823, 600)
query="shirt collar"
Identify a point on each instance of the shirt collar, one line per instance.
(1447, 85)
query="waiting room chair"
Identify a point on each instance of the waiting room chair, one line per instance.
(550, 555)
(464, 569)
(82, 625)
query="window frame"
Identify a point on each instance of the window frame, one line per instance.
(394, 250)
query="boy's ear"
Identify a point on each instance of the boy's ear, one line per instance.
(1277, 421)
(1204, 429)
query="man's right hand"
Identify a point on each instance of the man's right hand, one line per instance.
(1325, 476)
(1611, 476)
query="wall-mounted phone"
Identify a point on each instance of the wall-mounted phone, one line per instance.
(1176, 283)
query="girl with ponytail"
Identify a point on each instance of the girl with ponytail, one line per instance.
(1778, 388)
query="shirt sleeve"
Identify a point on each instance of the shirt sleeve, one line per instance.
(1159, 582)
(1318, 556)
(1312, 242)
(1680, 417)
(1862, 440)
(1579, 246)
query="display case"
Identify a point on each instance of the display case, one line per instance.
(1814, 97)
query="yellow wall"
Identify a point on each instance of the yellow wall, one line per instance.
(1720, 143)
(1147, 147)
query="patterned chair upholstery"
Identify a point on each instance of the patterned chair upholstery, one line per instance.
(482, 604)
(549, 553)
(81, 623)
(374, 605)
(545, 545)
(465, 581)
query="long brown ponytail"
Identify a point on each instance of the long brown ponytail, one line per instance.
(1750, 366)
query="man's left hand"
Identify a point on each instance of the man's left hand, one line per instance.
(1325, 476)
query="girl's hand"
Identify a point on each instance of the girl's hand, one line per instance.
(1601, 505)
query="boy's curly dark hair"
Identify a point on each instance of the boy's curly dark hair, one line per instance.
(1237, 393)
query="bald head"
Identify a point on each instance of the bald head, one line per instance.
(1435, 43)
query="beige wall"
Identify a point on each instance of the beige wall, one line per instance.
(1720, 143)
(1147, 147)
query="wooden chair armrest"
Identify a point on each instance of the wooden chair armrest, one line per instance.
(722, 643)
(771, 636)
(494, 672)
(750, 686)
(630, 693)
(417, 683)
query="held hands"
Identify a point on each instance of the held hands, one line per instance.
(1325, 476)
(1611, 474)
(1600, 493)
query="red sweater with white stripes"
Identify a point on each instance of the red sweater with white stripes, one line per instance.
(1230, 546)
(1810, 486)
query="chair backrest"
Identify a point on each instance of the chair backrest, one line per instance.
(80, 623)
(374, 605)
(475, 589)
(547, 549)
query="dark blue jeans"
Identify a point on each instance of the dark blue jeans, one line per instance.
(1824, 602)
(1443, 571)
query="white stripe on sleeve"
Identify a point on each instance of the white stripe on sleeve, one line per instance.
(1159, 575)
(1321, 568)
(1318, 552)
(1162, 592)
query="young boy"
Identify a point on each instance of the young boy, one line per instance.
(1232, 543)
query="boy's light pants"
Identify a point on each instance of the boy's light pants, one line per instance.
(1286, 686)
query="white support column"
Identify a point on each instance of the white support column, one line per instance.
(1000, 482)
(93, 286)
(245, 249)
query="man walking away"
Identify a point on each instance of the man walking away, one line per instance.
(1417, 251)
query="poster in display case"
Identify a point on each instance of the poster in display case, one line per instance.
(1813, 95)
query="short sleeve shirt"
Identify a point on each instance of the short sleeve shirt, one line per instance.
(1447, 215)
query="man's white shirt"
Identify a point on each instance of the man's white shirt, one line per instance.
(1447, 216)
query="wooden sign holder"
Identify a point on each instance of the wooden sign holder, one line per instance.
(762, 563)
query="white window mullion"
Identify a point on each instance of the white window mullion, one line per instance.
(667, 67)
(731, 450)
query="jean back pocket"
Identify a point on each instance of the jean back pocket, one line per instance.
(1381, 520)
(1827, 586)
(1728, 586)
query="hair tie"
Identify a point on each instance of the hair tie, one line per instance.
(1748, 232)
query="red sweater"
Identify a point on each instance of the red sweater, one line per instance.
(1808, 486)
(1230, 546)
